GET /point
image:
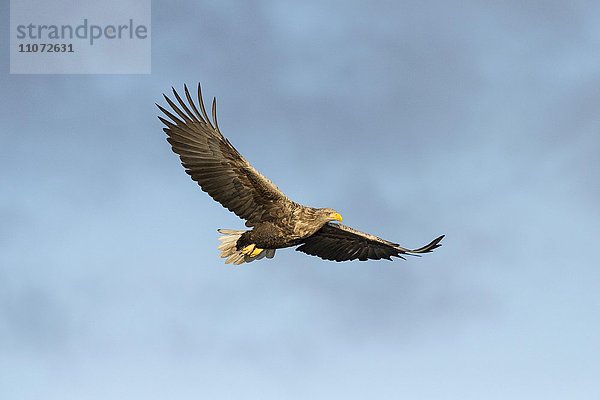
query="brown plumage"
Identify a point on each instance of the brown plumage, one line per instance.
(277, 222)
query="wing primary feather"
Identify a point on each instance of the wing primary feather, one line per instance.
(168, 114)
(168, 123)
(201, 101)
(428, 247)
(214, 113)
(184, 117)
(191, 116)
(191, 101)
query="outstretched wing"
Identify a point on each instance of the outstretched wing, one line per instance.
(337, 242)
(216, 165)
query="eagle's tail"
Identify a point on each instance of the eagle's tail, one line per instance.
(247, 254)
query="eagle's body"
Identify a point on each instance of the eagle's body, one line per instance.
(276, 221)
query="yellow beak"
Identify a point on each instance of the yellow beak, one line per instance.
(336, 216)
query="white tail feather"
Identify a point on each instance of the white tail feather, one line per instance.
(228, 248)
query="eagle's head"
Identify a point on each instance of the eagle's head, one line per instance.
(329, 214)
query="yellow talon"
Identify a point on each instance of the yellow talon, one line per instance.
(251, 250)
(248, 249)
(256, 252)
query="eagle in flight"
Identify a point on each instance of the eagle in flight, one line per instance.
(276, 221)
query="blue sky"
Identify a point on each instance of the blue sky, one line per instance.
(412, 119)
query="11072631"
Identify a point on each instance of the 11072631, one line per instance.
(46, 48)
